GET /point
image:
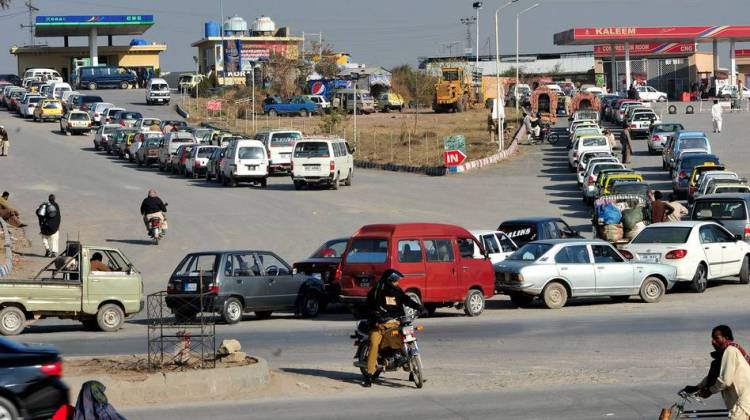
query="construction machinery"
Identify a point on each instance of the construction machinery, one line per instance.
(455, 91)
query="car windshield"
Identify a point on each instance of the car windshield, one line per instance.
(250, 153)
(630, 187)
(52, 105)
(663, 235)
(667, 128)
(312, 149)
(78, 116)
(205, 152)
(159, 86)
(530, 252)
(739, 189)
(693, 143)
(284, 139)
(594, 141)
(182, 139)
(331, 249)
(644, 116)
(719, 210)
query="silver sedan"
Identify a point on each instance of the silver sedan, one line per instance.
(557, 270)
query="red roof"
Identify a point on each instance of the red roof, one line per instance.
(413, 229)
(619, 35)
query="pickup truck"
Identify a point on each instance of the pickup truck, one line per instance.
(273, 106)
(68, 288)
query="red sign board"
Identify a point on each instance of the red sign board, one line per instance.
(453, 157)
(584, 36)
(742, 53)
(213, 105)
(649, 48)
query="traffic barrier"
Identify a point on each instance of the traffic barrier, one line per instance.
(183, 113)
(479, 163)
(672, 109)
(689, 109)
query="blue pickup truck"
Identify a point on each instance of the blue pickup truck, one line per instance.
(298, 105)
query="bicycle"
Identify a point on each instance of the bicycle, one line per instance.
(677, 410)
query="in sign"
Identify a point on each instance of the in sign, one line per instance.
(453, 157)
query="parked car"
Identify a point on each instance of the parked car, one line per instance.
(83, 102)
(497, 245)
(639, 124)
(172, 140)
(729, 209)
(326, 161)
(684, 169)
(197, 160)
(725, 186)
(109, 114)
(660, 133)
(586, 144)
(245, 161)
(279, 145)
(75, 122)
(343, 100)
(323, 265)
(58, 88)
(188, 82)
(157, 92)
(390, 102)
(700, 251)
(148, 124)
(444, 254)
(95, 77)
(683, 140)
(31, 385)
(96, 110)
(298, 105)
(557, 270)
(525, 230)
(706, 173)
(213, 166)
(139, 140)
(124, 143)
(180, 158)
(239, 282)
(26, 108)
(148, 153)
(586, 159)
(102, 135)
(126, 118)
(14, 98)
(648, 93)
(48, 109)
(120, 136)
(589, 189)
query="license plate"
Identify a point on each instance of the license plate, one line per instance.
(191, 287)
(252, 167)
(364, 281)
(650, 258)
(285, 154)
(408, 338)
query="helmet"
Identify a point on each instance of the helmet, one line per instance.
(391, 276)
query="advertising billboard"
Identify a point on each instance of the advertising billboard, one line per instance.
(649, 48)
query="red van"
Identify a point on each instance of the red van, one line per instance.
(437, 262)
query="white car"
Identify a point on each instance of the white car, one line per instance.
(498, 245)
(102, 135)
(640, 122)
(647, 93)
(596, 143)
(96, 110)
(322, 161)
(320, 100)
(280, 145)
(585, 168)
(588, 182)
(108, 114)
(582, 123)
(197, 161)
(245, 160)
(700, 251)
(145, 124)
(706, 179)
(26, 108)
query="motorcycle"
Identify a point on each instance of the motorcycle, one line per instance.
(406, 357)
(677, 410)
(546, 134)
(155, 231)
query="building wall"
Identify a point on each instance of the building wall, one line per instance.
(139, 60)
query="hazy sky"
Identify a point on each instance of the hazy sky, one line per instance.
(382, 32)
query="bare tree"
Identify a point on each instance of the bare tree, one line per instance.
(284, 73)
(326, 64)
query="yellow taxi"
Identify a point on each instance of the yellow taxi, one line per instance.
(620, 179)
(48, 109)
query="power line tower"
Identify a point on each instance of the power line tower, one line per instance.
(32, 9)
(469, 23)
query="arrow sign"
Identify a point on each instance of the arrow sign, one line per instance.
(453, 157)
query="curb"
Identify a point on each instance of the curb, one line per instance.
(176, 387)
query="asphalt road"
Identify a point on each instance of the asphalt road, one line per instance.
(627, 347)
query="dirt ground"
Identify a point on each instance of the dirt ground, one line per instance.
(24, 265)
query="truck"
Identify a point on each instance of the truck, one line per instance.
(76, 285)
(455, 90)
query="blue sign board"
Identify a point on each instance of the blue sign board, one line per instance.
(96, 20)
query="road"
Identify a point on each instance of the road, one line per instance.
(627, 347)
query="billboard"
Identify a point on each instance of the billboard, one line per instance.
(260, 51)
(649, 48)
(96, 20)
(240, 55)
(584, 36)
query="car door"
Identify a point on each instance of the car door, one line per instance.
(492, 247)
(118, 284)
(283, 286)
(243, 277)
(712, 248)
(732, 251)
(440, 269)
(614, 275)
(470, 269)
(573, 264)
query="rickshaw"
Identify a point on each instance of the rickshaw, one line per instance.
(544, 101)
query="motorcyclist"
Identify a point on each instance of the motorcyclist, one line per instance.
(153, 207)
(385, 304)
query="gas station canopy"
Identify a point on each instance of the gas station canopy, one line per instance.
(61, 26)
(619, 35)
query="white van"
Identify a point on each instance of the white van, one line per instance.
(157, 92)
(58, 88)
(45, 75)
(245, 160)
(279, 146)
(168, 147)
(46, 90)
(322, 160)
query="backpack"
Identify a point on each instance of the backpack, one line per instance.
(47, 210)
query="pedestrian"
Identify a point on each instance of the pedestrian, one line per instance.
(4, 142)
(610, 138)
(729, 374)
(625, 144)
(678, 210)
(49, 225)
(659, 209)
(8, 213)
(716, 111)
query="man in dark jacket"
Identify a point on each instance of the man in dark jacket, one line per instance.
(625, 143)
(151, 207)
(49, 225)
(385, 304)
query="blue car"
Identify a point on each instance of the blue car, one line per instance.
(298, 105)
(529, 229)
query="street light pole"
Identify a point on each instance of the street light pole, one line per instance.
(518, 15)
(498, 99)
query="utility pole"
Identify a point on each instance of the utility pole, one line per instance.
(32, 9)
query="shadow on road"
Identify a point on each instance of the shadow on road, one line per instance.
(348, 377)
(132, 241)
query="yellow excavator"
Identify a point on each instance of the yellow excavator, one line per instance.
(455, 91)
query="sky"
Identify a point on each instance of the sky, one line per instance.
(382, 32)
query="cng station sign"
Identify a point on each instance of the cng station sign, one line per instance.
(454, 153)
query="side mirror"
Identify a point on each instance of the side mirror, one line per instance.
(131, 270)
(737, 238)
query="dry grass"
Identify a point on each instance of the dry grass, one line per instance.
(410, 138)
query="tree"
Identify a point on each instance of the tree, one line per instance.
(413, 85)
(326, 66)
(284, 73)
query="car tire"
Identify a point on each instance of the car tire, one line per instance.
(8, 410)
(92, 86)
(272, 113)
(521, 300)
(232, 311)
(12, 321)
(208, 175)
(662, 99)
(96, 148)
(232, 181)
(699, 283)
(139, 162)
(110, 317)
(263, 314)
(555, 295)
(124, 85)
(745, 271)
(304, 113)
(652, 290)
(474, 303)
(348, 180)
(310, 305)
(335, 182)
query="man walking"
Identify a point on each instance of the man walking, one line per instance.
(4, 142)
(49, 225)
(729, 374)
(716, 111)
(625, 143)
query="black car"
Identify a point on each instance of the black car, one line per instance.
(323, 264)
(523, 231)
(30, 381)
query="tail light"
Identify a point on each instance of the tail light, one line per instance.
(654, 138)
(213, 288)
(747, 231)
(591, 180)
(682, 175)
(633, 126)
(170, 287)
(676, 254)
(333, 166)
(692, 190)
(52, 369)
(626, 254)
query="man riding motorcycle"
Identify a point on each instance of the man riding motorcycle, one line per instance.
(153, 207)
(385, 304)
